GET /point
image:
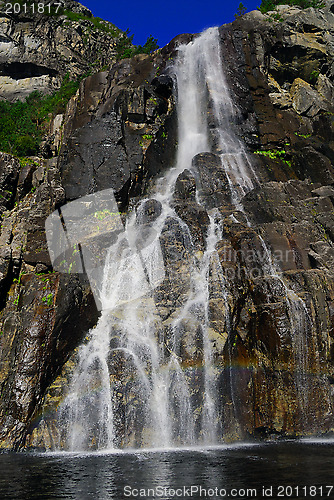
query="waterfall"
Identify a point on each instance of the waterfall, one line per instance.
(135, 378)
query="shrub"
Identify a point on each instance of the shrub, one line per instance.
(126, 49)
(23, 124)
(96, 22)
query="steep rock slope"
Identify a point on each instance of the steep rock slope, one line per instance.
(120, 132)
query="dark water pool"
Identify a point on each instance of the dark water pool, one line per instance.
(280, 470)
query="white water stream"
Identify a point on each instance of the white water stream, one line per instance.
(155, 389)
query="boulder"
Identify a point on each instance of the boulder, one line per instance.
(306, 100)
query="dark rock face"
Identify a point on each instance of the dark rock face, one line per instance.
(148, 212)
(212, 180)
(9, 173)
(290, 225)
(44, 314)
(120, 131)
(191, 212)
(41, 330)
(281, 67)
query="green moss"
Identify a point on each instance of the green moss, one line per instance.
(314, 76)
(48, 300)
(24, 161)
(275, 154)
(303, 136)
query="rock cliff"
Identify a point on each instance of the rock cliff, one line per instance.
(119, 132)
(37, 50)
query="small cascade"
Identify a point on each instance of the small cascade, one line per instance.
(148, 374)
(211, 423)
(301, 323)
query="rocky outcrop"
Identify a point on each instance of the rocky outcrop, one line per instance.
(119, 132)
(283, 59)
(40, 308)
(120, 129)
(37, 50)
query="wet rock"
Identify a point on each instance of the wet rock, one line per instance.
(163, 86)
(36, 342)
(191, 212)
(176, 247)
(117, 131)
(148, 212)
(185, 186)
(213, 185)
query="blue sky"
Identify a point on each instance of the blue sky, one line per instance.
(164, 20)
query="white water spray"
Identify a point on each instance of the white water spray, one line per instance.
(132, 385)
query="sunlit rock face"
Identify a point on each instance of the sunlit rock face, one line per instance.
(268, 305)
(37, 50)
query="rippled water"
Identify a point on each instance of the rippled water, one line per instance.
(242, 471)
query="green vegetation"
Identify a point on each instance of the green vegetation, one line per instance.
(24, 161)
(314, 76)
(275, 154)
(276, 17)
(241, 10)
(267, 5)
(125, 47)
(23, 124)
(96, 22)
(102, 214)
(48, 300)
(304, 136)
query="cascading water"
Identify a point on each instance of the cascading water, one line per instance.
(134, 385)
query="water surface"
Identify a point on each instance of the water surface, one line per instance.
(242, 471)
